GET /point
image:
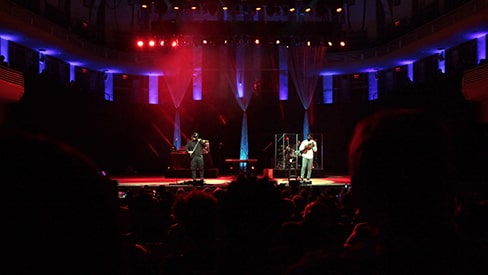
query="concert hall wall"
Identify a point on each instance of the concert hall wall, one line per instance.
(125, 137)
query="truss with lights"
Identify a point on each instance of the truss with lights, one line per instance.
(211, 22)
(152, 43)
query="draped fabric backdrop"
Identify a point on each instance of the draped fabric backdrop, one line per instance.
(283, 72)
(242, 70)
(178, 72)
(197, 72)
(304, 65)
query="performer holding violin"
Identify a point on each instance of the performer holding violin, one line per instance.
(307, 149)
(195, 148)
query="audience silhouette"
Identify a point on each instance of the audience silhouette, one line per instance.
(400, 214)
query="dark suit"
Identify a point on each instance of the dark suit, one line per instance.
(195, 148)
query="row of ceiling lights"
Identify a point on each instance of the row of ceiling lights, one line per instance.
(154, 43)
(212, 7)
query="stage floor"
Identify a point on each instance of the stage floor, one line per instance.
(152, 181)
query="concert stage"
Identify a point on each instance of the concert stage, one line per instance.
(220, 181)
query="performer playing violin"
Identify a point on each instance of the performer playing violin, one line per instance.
(195, 148)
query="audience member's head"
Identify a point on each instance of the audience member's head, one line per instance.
(252, 212)
(58, 211)
(400, 165)
(191, 241)
(318, 213)
(197, 211)
(401, 175)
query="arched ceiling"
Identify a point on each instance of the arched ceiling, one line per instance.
(463, 24)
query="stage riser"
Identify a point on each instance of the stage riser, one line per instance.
(280, 173)
(186, 173)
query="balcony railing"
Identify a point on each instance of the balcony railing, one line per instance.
(446, 21)
(475, 83)
(11, 85)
